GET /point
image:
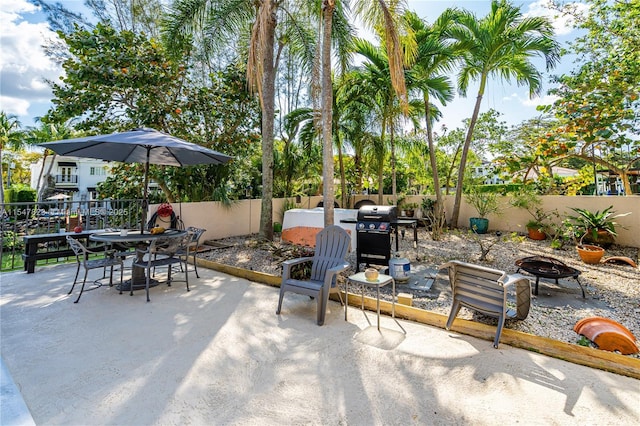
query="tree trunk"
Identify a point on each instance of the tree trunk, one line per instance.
(268, 94)
(45, 183)
(465, 150)
(328, 7)
(380, 181)
(39, 181)
(343, 177)
(392, 141)
(439, 208)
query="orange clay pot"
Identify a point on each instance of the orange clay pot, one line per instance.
(590, 254)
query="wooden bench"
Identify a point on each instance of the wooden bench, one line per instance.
(32, 243)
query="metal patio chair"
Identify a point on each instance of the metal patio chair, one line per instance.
(332, 245)
(194, 241)
(165, 251)
(82, 258)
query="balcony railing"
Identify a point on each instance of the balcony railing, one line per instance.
(61, 179)
(29, 218)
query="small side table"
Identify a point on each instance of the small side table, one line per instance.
(380, 282)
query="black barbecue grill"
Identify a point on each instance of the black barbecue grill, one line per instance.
(374, 227)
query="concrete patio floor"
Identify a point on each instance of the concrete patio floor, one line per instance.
(219, 355)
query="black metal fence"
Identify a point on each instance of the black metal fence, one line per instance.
(30, 218)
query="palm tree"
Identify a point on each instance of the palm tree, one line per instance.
(46, 132)
(352, 123)
(10, 137)
(380, 14)
(221, 20)
(435, 58)
(501, 44)
(372, 81)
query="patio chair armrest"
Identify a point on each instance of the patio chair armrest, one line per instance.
(98, 250)
(287, 264)
(511, 279)
(332, 272)
(523, 293)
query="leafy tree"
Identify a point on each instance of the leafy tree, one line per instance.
(373, 81)
(501, 44)
(599, 101)
(120, 80)
(116, 81)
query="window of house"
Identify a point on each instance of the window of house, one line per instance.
(65, 172)
(97, 171)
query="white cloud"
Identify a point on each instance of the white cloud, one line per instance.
(14, 106)
(23, 63)
(539, 100)
(562, 23)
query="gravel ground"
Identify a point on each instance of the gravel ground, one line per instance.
(613, 290)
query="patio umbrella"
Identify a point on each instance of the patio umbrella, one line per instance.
(58, 197)
(146, 146)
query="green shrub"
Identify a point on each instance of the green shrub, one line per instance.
(502, 188)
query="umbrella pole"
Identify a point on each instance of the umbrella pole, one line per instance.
(145, 193)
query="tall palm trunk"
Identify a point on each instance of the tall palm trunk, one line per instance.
(343, 178)
(328, 7)
(439, 207)
(383, 134)
(45, 177)
(268, 99)
(392, 142)
(40, 174)
(465, 150)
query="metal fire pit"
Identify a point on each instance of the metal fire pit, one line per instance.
(373, 230)
(547, 267)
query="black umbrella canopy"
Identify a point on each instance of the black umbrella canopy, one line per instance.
(145, 146)
(138, 146)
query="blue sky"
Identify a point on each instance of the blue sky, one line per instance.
(24, 66)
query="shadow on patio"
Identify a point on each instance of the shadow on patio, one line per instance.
(219, 355)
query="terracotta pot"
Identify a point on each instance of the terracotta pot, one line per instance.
(590, 254)
(536, 234)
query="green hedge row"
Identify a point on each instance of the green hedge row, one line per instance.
(502, 188)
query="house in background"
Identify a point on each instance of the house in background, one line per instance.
(488, 173)
(75, 177)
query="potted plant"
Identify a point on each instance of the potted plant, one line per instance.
(536, 229)
(409, 209)
(527, 199)
(589, 253)
(597, 227)
(485, 203)
(399, 203)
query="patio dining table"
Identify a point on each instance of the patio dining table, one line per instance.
(139, 240)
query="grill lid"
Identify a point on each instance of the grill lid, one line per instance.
(377, 213)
